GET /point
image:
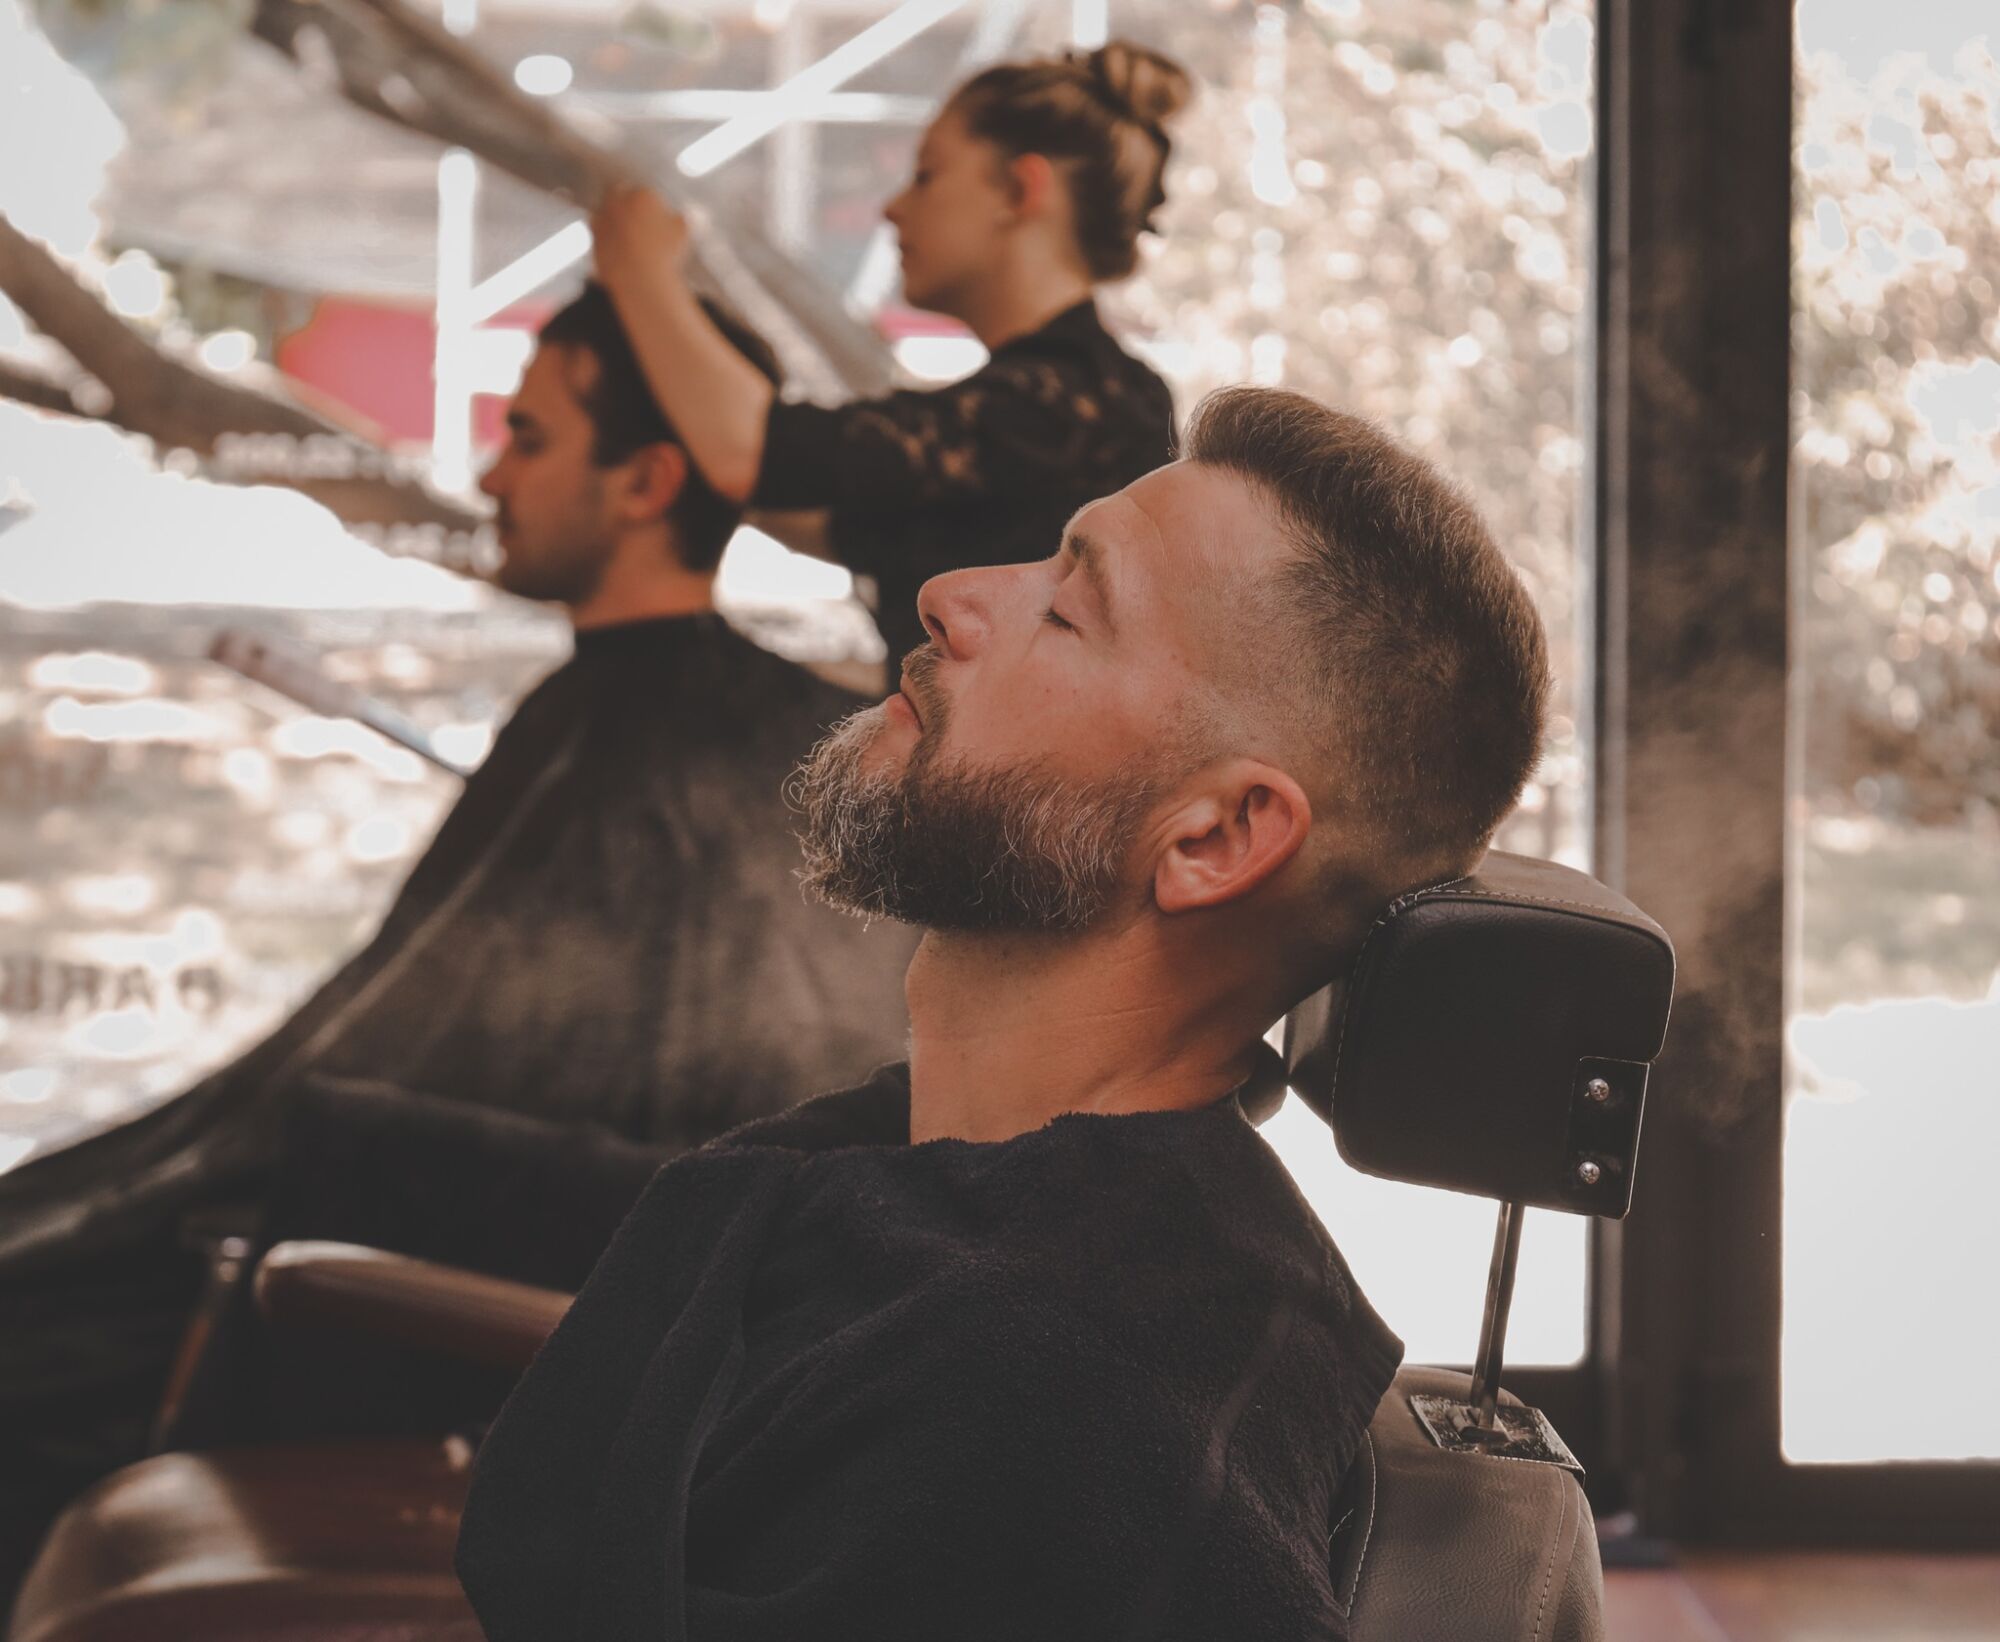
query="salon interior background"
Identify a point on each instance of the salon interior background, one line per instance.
(1391, 206)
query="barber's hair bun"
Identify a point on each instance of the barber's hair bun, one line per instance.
(1102, 116)
(1152, 89)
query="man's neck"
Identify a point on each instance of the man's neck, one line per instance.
(643, 587)
(1008, 1032)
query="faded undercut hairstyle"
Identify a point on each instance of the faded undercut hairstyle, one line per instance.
(626, 417)
(1101, 117)
(1420, 660)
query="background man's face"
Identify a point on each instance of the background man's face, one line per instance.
(1047, 720)
(555, 521)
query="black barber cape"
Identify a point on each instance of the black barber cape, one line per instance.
(1098, 1381)
(607, 928)
(607, 932)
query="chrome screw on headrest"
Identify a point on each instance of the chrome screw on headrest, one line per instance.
(1589, 1173)
(1598, 1090)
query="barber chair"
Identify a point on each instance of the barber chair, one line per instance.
(1493, 1037)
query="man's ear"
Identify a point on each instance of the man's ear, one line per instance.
(650, 481)
(1031, 179)
(1246, 824)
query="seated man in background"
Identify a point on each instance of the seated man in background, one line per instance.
(1034, 1337)
(607, 930)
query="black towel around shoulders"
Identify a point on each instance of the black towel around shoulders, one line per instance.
(1099, 1381)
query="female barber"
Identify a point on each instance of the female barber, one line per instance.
(1031, 188)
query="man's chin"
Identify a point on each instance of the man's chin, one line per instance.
(511, 576)
(883, 739)
(866, 751)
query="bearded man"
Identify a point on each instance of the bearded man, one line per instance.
(1033, 1337)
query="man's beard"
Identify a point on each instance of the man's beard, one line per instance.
(565, 568)
(1019, 850)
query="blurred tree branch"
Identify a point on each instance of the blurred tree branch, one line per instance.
(403, 67)
(180, 406)
(26, 385)
(170, 401)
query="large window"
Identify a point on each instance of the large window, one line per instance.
(1895, 960)
(1386, 207)
(187, 854)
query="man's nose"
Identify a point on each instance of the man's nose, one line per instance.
(489, 480)
(956, 611)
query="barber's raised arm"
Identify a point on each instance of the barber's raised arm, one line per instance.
(716, 399)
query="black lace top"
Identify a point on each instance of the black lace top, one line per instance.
(985, 471)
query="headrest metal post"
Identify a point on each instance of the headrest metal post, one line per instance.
(1482, 1424)
(1499, 1301)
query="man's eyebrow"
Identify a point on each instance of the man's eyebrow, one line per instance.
(1088, 554)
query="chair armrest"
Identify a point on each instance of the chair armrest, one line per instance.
(350, 1289)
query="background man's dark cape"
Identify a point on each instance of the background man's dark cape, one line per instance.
(607, 931)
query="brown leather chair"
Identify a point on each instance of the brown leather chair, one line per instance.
(1494, 1036)
(353, 1542)
(320, 1542)
(1437, 1548)
(323, 1543)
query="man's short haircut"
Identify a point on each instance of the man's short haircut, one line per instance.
(1420, 660)
(627, 417)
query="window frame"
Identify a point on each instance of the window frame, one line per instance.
(1694, 582)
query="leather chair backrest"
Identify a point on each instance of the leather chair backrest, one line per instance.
(1494, 1037)
(1430, 1545)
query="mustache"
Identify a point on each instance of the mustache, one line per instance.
(919, 683)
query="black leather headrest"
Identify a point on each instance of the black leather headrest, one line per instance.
(1494, 1037)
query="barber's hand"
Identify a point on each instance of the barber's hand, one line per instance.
(636, 234)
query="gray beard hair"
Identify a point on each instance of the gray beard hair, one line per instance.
(1019, 851)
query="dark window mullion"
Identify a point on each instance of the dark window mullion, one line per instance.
(1692, 372)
